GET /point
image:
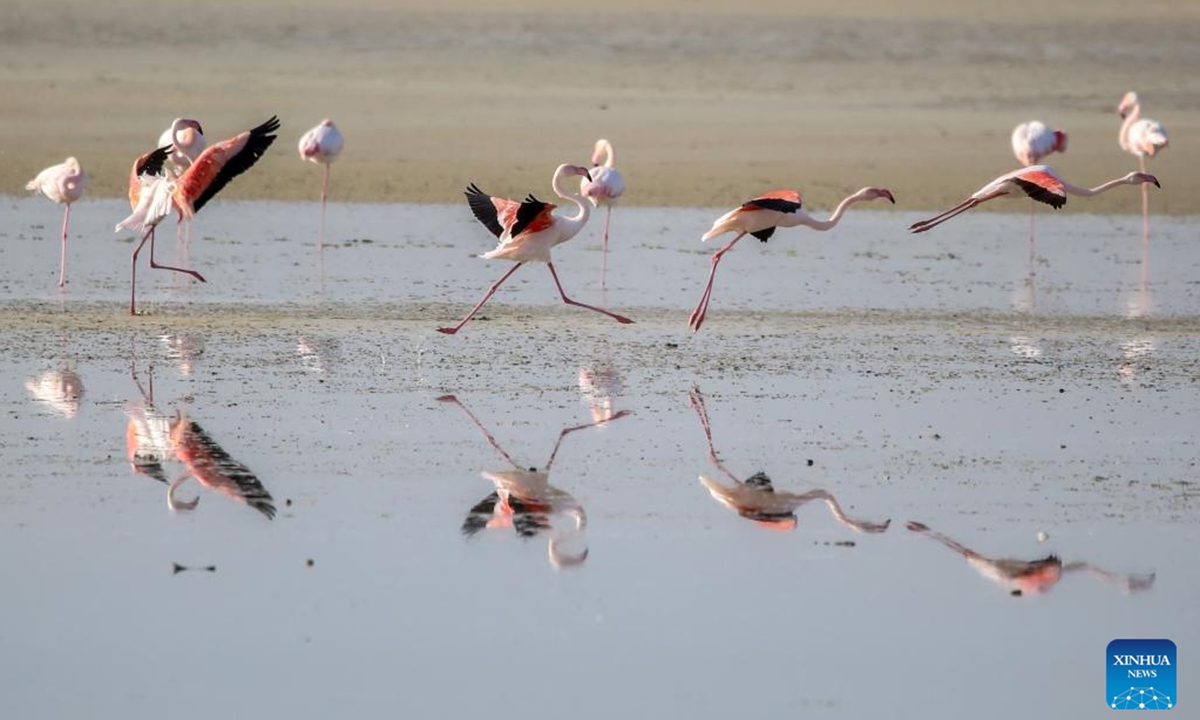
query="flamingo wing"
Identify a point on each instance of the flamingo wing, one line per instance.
(1042, 187)
(213, 466)
(495, 213)
(224, 161)
(149, 164)
(532, 216)
(784, 201)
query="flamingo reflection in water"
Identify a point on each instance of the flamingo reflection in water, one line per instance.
(525, 500)
(1033, 577)
(598, 386)
(153, 438)
(756, 499)
(61, 389)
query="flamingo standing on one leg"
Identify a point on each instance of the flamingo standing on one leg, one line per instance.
(604, 185)
(63, 183)
(1032, 141)
(528, 231)
(159, 194)
(1040, 182)
(322, 145)
(1142, 137)
(759, 217)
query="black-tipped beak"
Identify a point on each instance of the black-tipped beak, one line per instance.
(198, 128)
(587, 175)
(1157, 184)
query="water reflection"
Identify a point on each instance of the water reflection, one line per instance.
(318, 355)
(154, 438)
(183, 349)
(756, 498)
(598, 387)
(525, 501)
(61, 390)
(1034, 577)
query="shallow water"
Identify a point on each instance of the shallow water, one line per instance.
(912, 378)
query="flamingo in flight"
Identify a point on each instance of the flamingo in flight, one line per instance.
(322, 145)
(1141, 137)
(64, 184)
(756, 498)
(759, 217)
(605, 183)
(528, 231)
(154, 193)
(1040, 182)
(1032, 577)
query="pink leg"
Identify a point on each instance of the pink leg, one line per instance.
(567, 431)
(1145, 203)
(63, 258)
(491, 291)
(698, 404)
(962, 207)
(324, 193)
(156, 266)
(697, 317)
(604, 260)
(619, 318)
(1032, 241)
(133, 272)
(491, 440)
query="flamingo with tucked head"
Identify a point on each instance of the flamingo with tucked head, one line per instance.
(528, 231)
(1034, 140)
(605, 183)
(322, 145)
(64, 184)
(759, 217)
(1040, 182)
(186, 139)
(1142, 137)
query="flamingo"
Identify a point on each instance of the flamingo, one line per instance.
(322, 145)
(759, 217)
(527, 232)
(756, 499)
(1142, 137)
(64, 184)
(1040, 182)
(524, 499)
(1032, 577)
(157, 193)
(605, 183)
(148, 433)
(1032, 141)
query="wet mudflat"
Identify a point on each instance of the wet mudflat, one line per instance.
(380, 546)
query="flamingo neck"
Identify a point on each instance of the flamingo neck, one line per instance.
(836, 217)
(575, 222)
(1131, 117)
(1103, 187)
(610, 157)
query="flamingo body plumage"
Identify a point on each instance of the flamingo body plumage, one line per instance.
(1039, 182)
(186, 138)
(759, 217)
(64, 184)
(1139, 136)
(1034, 140)
(605, 184)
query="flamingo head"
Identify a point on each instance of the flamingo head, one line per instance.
(1060, 141)
(327, 122)
(874, 193)
(568, 170)
(1137, 178)
(1128, 102)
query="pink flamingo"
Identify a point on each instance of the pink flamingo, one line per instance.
(158, 193)
(527, 232)
(322, 145)
(604, 184)
(1142, 137)
(209, 463)
(186, 139)
(1032, 141)
(759, 217)
(64, 184)
(1040, 182)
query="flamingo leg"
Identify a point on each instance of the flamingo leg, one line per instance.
(604, 255)
(697, 317)
(1145, 202)
(324, 194)
(133, 272)
(63, 257)
(1032, 240)
(490, 291)
(944, 539)
(491, 440)
(156, 266)
(607, 218)
(567, 431)
(563, 293)
(698, 404)
(956, 210)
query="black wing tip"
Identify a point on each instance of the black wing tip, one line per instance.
(269, 126)
(473, 190)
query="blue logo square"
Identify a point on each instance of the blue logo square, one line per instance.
(1141, 675)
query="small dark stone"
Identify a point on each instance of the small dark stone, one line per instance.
(309, 562)
(811, 462)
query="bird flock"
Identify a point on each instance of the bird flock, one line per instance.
(182, 173)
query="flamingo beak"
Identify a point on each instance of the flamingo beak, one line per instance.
(888, 194)
(196, 124)
(587, 174)
(1155, 181)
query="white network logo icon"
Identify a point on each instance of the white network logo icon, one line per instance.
(1136, 698)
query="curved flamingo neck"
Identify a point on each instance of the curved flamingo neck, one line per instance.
(1102, 187)
(575, 222)
(836, 217)
(610, 156)
(1134, 114)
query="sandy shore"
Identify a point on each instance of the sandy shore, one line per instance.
(706, 104)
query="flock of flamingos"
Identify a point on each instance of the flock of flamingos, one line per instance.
(183, 173)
